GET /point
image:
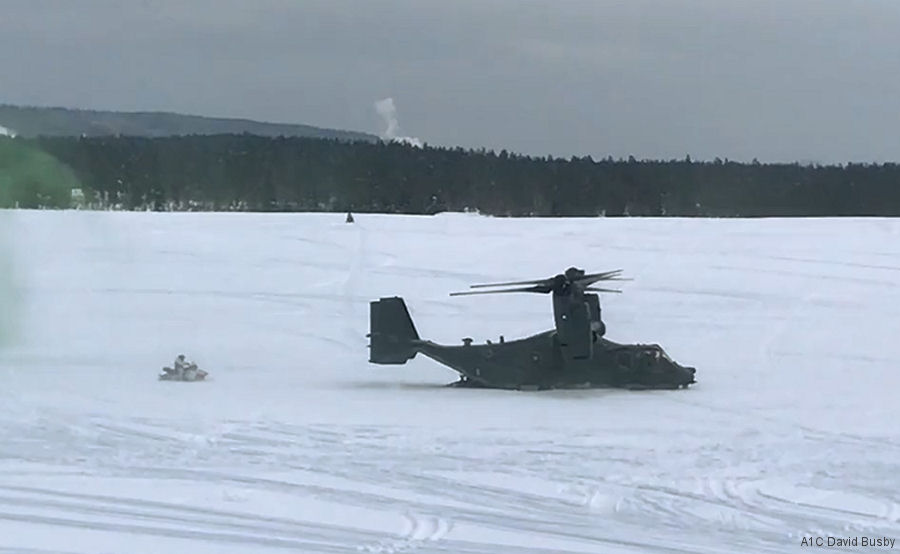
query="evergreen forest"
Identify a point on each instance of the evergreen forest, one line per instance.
(246, 172)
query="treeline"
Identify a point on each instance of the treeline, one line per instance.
(248, 172)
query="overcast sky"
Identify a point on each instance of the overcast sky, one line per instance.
(779, 80)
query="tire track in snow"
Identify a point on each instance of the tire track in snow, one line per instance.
(382, 471)
(175, 514)
(17, 550)
(517, 512)
(770, 514)
(559, 526)
(734, 497)
(421, 529)
(207, 536)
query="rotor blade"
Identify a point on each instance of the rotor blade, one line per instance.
(592, 281)
(583, 280)
(538, 289)
(594, 277)
(511, 283)
(598, 289)
(601, 275)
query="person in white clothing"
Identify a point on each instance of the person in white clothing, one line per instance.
(180, 366)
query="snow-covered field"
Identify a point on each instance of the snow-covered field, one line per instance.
(298, 444)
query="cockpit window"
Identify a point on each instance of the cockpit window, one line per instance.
(657, 354)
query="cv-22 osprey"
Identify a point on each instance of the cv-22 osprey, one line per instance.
(572, 355)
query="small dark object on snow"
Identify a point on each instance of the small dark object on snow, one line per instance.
(349, 217)
(573, 355)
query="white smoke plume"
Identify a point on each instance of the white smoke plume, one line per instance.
(388, 112)
(6, 132)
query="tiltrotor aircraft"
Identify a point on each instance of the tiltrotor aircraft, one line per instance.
(573, 355)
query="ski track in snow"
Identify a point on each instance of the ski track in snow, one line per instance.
(297, 444)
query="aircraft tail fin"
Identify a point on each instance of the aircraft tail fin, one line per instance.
(392, 335)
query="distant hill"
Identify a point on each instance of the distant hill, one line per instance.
(32, 121)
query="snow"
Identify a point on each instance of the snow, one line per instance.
(296, 443)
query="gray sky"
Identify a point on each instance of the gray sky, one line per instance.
(779, 80)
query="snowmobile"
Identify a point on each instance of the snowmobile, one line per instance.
(191, 373)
